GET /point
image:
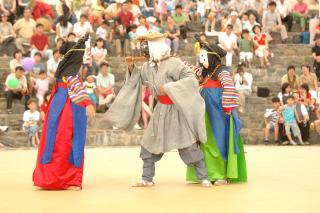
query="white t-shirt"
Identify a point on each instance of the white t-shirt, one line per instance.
(99, 52)
(80, 30)
(105, 82)
(102, 33)
(228, 39)
(90, 87)
(284, 9)
(31, 116)
(238, 81)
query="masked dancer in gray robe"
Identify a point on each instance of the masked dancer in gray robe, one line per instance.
(178, 118)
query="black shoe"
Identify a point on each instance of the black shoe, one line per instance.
(277, 142)
(266, 142)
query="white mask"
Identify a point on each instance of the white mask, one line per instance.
(203, 58)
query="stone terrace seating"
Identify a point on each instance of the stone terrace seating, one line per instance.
(100, 134)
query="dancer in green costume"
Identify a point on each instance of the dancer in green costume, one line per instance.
(223, 152)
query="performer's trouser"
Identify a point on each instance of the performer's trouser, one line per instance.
(191, 156)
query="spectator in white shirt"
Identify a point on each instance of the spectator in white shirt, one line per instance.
(52, 64)
(105, 83)
(243, 83)
(228, 41)
(82, 27)
(235, 22)
(284, 8)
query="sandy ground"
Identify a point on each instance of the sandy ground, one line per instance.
(281, 179)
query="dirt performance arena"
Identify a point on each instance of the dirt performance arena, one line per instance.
(281, 179)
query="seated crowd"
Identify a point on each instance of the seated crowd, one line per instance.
(244, 28)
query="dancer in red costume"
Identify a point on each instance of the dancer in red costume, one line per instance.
(61, 151)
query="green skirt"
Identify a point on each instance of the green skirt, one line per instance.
(234, 169)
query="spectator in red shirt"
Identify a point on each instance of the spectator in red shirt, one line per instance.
(39, 43)
(126, 16)
(41, 9)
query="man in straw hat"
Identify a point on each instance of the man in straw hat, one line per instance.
(175, 123)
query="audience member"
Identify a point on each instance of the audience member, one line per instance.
(24, 28)
(260, 41)
(9, 7)
(40, 42)
(284, 8)
(45, 105)
(235, 22)
(180, 19)
(7, 36)
(16, 87)
(289, 115)
(91, 88)
(63, 28)
(31, 118)
(291, 78)
(246, 47)
(16, 61)
(243, 83)
(52, 64)
(271, 22)
(300, 13)
(271, 119)
(120, 38)
(285, 93)
(82, 27)
(105, 83)
(309, 78)
(228, 41)
(173, 33)
(302, 116)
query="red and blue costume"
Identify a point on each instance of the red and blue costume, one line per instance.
(61, 151)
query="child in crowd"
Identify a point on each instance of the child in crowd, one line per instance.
(246, 48)
(96, 14)
(99, 54)
(16, 61)
(133, 36)
(38, 66)
(289, 115)
(271, 118)
(285, 93)
(31, 118)
(105, 33)
(45, 104)
(42, 86)
(91, 88)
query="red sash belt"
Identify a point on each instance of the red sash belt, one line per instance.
(61, 84)
(212, 84)
(164, 99)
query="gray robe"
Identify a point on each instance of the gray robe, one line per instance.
(173, 126)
